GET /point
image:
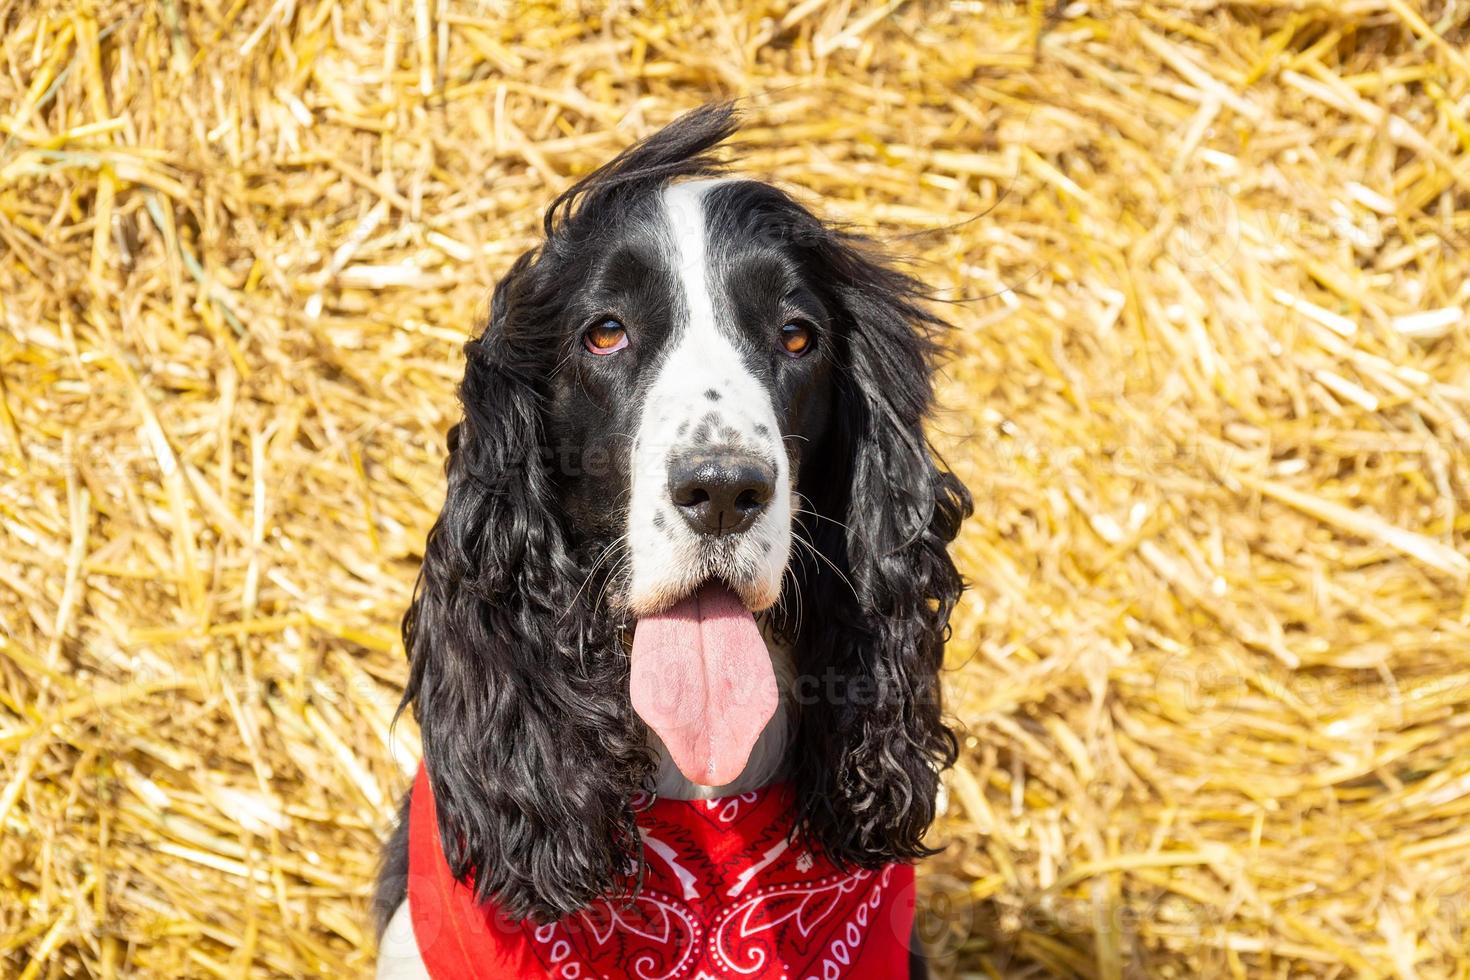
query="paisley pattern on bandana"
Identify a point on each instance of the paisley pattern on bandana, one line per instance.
(726, 894)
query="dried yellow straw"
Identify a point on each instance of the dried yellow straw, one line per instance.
(1209, 385)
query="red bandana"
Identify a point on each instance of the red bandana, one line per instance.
(724, 895)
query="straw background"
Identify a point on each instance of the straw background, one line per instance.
(1210, 387)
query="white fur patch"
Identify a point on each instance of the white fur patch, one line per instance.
(669, 559)
(398, 950)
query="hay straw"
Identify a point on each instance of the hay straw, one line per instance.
(1209, 386)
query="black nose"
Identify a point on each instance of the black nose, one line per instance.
(720, 493)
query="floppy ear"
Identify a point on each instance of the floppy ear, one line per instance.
(530, 752)
(870, 701)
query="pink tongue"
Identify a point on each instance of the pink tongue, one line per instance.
(702, 680)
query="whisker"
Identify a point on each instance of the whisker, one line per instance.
(821, 517)
(624, 560)
(814, 550)
(781, 600)
(800, 556)
(602, 556)
(795, 591)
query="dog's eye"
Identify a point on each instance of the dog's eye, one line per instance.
(606, 337)
(796, 338)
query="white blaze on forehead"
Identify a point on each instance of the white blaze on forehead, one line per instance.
(684, 212)
(669, 558)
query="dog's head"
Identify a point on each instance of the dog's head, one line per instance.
(695, 403)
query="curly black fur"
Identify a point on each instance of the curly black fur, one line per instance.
(872, 743)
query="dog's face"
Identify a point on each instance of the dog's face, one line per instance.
(694, 381)
(685, 359)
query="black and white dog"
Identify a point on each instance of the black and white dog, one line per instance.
(695, 407)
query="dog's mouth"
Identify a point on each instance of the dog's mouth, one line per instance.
(702, 680)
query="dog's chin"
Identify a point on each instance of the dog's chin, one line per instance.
(758, 591)
(758, 595)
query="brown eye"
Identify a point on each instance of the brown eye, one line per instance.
(607, 337)
(796, 338)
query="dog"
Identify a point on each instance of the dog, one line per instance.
(694, 544)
